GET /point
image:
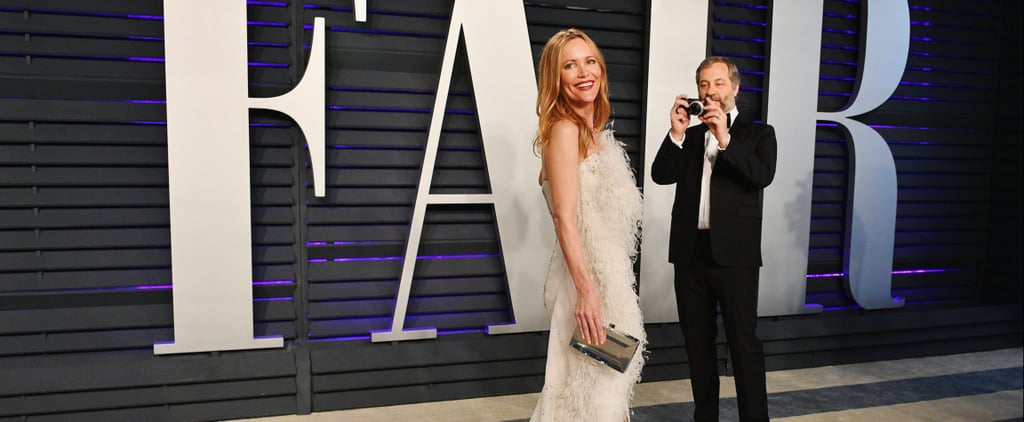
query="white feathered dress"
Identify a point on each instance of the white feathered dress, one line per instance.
(577, 388)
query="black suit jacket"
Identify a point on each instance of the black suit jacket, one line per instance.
(738, 180)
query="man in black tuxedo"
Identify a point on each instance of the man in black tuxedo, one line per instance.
(720, 172)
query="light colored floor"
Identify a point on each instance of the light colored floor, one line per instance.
(986, 407)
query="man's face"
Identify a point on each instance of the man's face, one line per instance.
(714, 85)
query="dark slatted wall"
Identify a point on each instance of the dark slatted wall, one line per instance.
(1004, 268)
(84, 236)
(939, 128)
(383, 77)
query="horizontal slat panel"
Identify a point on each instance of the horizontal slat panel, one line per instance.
(425, 375)
(113, 317)
(47, 374)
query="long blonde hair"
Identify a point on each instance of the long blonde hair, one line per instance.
(552, 106)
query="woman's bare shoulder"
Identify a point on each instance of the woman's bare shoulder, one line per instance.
(564, 129)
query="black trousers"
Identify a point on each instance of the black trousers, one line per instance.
(702, 286)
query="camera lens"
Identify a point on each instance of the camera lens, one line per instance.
(696, 107)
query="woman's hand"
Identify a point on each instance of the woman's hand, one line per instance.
(589, 317)
(561, 160)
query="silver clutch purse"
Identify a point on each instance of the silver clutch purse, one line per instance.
(616, 352)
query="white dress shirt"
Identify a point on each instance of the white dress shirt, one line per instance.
(711, 150)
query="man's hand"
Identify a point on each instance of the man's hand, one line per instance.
(715, 118)
(679, 117)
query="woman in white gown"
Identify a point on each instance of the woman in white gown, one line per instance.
(596, 209)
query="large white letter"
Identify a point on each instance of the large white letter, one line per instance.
(679, 37)
(792, 109)
(208, 167)
(792, 101)
(871, 203)
(498, 47)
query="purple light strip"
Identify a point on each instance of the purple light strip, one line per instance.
(270, 24)
(926, 271)
(134, 59)
(755, 40)
(909, 98)
(834, 94)
(837, 15)
(349, 338)
(399, 258)
(267, 64)
(743, 22)
(742, 6)
(273, 283)
(833, 124)
(267, 44)
(468, 256)
(896, 272)
(266, 3)
(825, 275)
(151, 287)
(953, 72)
(841, 47)
(949, 56)
(339, 242)
(840, 31)
(143, 38)
(839, 62)
(373, 258)
(748, 56)
(934, 25)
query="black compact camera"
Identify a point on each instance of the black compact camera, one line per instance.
(696, 107)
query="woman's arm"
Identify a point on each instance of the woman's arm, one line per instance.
(561, 160)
